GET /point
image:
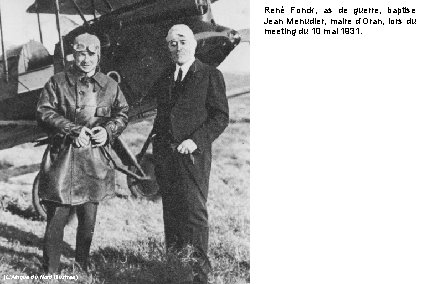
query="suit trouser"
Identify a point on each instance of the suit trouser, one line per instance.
(183, 184)
(57, 217)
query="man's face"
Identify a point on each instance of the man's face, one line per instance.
(86, 61)
(182, 50)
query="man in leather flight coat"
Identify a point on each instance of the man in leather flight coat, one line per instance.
(192, 112)
(82, 111)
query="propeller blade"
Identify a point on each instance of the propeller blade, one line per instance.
(245, 35)
(205, 35)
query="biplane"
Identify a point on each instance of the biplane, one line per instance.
(133, 52)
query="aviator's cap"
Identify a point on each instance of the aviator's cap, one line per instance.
(180, 31)
(87, 42)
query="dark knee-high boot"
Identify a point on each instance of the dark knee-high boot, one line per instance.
(86, 214)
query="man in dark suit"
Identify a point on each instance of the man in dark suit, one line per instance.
(192, 112)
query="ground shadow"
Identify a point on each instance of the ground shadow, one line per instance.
(13, 234)
(8, 172)
(28, 213)
(26, 262)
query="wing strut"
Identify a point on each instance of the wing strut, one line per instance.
(80, 12)
(38, 21)
(5, 67)
(58, 26)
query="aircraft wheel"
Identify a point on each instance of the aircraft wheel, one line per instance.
(36, 200)
(148, 187)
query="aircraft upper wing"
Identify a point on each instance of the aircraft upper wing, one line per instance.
(67, 6)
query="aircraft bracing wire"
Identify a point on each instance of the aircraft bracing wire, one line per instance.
(58, 26)
(38, 21)
(94, 10)
(5, 67)
(77, 8)
(24, 86)
(108, 5)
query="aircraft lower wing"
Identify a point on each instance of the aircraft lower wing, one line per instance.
(18, 132)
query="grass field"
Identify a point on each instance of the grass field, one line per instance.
(128, 243)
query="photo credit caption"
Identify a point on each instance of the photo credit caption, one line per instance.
(12, 277)
(335, 21)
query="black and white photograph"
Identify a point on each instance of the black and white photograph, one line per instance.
(125, 141)
(212, 141)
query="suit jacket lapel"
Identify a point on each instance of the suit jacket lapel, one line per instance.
(190, 80)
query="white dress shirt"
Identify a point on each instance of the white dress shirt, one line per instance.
(184, 67)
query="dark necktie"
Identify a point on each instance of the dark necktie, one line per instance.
(179, 77)
(178, 86)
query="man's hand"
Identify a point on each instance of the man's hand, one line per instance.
(187, 147)
(99, 136)
(83, 140)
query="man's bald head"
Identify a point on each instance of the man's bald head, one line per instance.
(182, 44)
(180, 31)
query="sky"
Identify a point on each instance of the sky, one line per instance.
(19, 27)
(234, 14)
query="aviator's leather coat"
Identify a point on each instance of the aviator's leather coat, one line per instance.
(71, 175)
